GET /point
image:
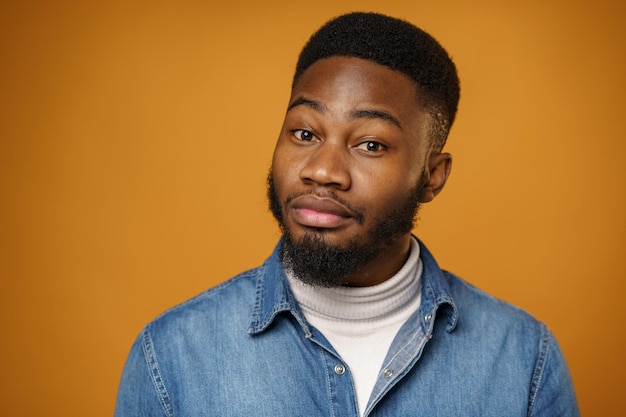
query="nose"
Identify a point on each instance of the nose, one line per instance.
(327, 165)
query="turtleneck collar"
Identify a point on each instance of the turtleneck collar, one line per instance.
(366, 304)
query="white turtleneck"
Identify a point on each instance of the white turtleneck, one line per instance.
(361, 322)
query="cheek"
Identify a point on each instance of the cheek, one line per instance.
(382, 192)
(284, 172)
(288, 160)
(386, 198)
(390, 179)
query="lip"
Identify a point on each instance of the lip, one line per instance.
(324, 213)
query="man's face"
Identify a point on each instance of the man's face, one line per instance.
(349, 169)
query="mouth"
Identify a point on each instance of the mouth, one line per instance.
(320, 213)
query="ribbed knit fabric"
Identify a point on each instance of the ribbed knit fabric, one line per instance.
(361, 322)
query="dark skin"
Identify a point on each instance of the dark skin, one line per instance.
(354, 129)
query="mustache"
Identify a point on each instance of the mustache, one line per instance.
(357, 212)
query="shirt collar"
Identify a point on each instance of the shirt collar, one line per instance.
(435, 292)
(274, 296)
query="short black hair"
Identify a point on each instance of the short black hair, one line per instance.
(396, 44)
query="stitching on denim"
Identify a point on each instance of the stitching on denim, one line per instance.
(155, 373)
(444, 298)
(403, 369)
(540, 366)
(328, 387)
(258, 293)
(261, 321)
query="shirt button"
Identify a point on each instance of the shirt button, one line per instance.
(427, 317)
(387, 373)
(340, 369)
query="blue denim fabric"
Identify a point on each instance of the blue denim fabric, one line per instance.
(244, 348)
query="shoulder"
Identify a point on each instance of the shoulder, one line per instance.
(479, 307)
(521, 344)
(228, 303)
(495, 328)
(469, 308)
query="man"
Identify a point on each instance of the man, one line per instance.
(351, 314)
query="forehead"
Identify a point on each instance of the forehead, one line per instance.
(343, 84)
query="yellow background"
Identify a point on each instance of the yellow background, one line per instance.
(135, 138)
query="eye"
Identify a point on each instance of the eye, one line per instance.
(303, 135)
(371, 146)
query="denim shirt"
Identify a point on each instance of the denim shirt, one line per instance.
(244, 348)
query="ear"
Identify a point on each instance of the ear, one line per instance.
(439, 166)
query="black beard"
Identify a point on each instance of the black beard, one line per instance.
(317, 263)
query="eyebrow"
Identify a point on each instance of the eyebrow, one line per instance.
(375, 114)
(354, 114)
(301, 101)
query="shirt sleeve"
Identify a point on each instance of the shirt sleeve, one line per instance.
(552, 391)
(138, 395)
